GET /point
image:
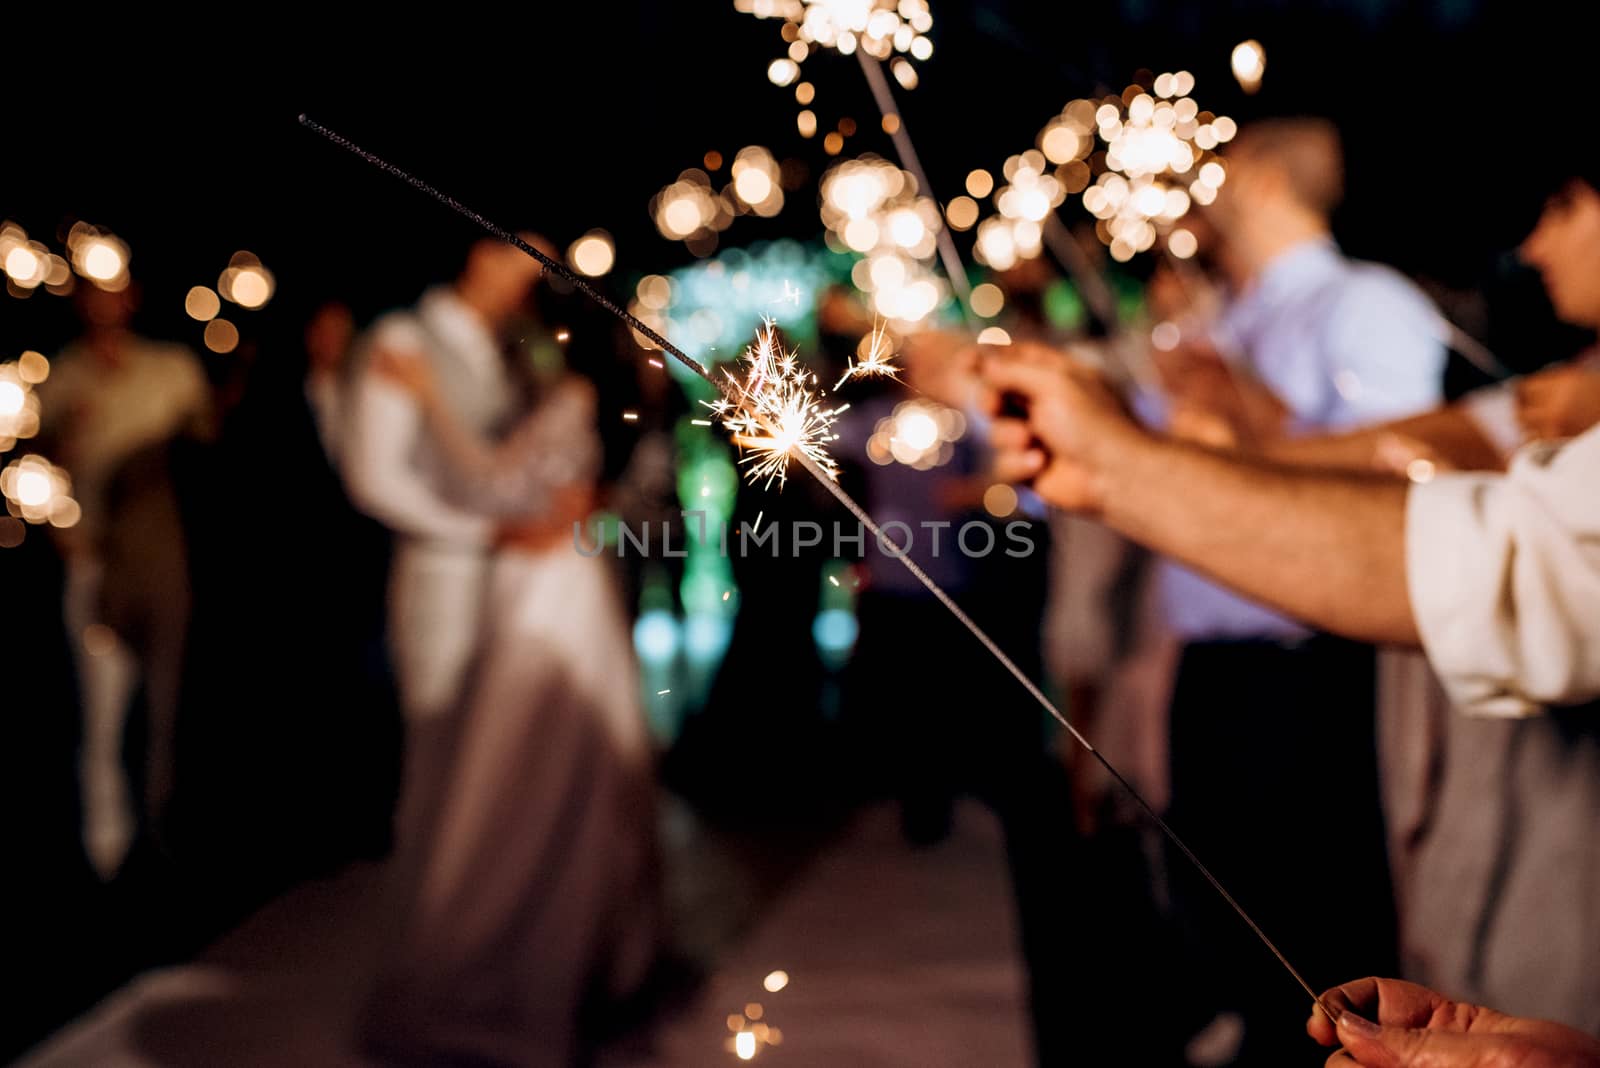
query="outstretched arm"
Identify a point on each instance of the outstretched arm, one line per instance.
(1446, 434)
(1498, 575)
(1326, 547)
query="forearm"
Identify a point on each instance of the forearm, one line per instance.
(1328, 548)
(381, 481)
(1449, 433)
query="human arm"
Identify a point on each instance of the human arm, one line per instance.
(1559, 402)
(1497, 576)
(552, 450)
(1328, 548)
(378, 467)
(1449, 434)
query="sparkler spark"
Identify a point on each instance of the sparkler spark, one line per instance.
(774, 412)
(875, 363)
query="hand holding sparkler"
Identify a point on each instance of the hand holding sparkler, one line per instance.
(1418, 1028)
(1054, 421)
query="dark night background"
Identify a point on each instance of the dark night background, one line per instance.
(568, 118)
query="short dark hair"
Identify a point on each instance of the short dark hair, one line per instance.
(1308, 150)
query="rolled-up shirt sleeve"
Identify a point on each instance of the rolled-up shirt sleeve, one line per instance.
(1504, 576)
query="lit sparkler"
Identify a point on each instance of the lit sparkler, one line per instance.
(874, 31)
(877, 363)
(1160, 158)
(39, 491)
(883, 29)
(774, 411)
(19, 404)
(874, 208)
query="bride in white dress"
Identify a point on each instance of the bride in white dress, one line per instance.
(535, 884)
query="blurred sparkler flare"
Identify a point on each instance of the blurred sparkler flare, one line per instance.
(872, 207)
(19, 404)
(39, 491)
(877, 362)
(880, 28)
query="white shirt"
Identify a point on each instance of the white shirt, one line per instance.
(1504, 573)
(104, 413)
(385, 422)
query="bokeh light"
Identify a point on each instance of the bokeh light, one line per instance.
(1249, 64)
(202, 303)
(757, 181)
(961, 213)
(1000, 500)
(246, 282)
(918, 433)
(33, 367)
(99, 256)
(221, 336)
(593, 254)
(987, 300)
(19, 405)
(38, 491)
(1159, 159)
(872, 207)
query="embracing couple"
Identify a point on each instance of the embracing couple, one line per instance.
(524, 827)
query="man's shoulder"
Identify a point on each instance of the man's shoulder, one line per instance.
(1372, 287)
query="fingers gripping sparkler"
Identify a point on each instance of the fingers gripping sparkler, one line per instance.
(736, 395)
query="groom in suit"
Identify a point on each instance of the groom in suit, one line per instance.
(394, 472)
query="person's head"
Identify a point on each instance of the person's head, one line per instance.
(1564, 247)
(328, 335)
(104, 309)
(498, 278)
(1284, 179)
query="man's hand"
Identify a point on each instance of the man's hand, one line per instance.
(1418, 1028)
(1056, 422)
(1216, 404)
(941, 365)
(1561, 402)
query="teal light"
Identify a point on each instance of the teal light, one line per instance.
(835, 631)
(706, 638)
(656, 637)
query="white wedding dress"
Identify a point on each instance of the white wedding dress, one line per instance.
(536, 883)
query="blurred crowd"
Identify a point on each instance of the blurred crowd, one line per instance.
(327, 606)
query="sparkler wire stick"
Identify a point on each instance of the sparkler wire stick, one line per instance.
(822, 476)
(908, 159)
(1091, 283)
(1473, 351)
